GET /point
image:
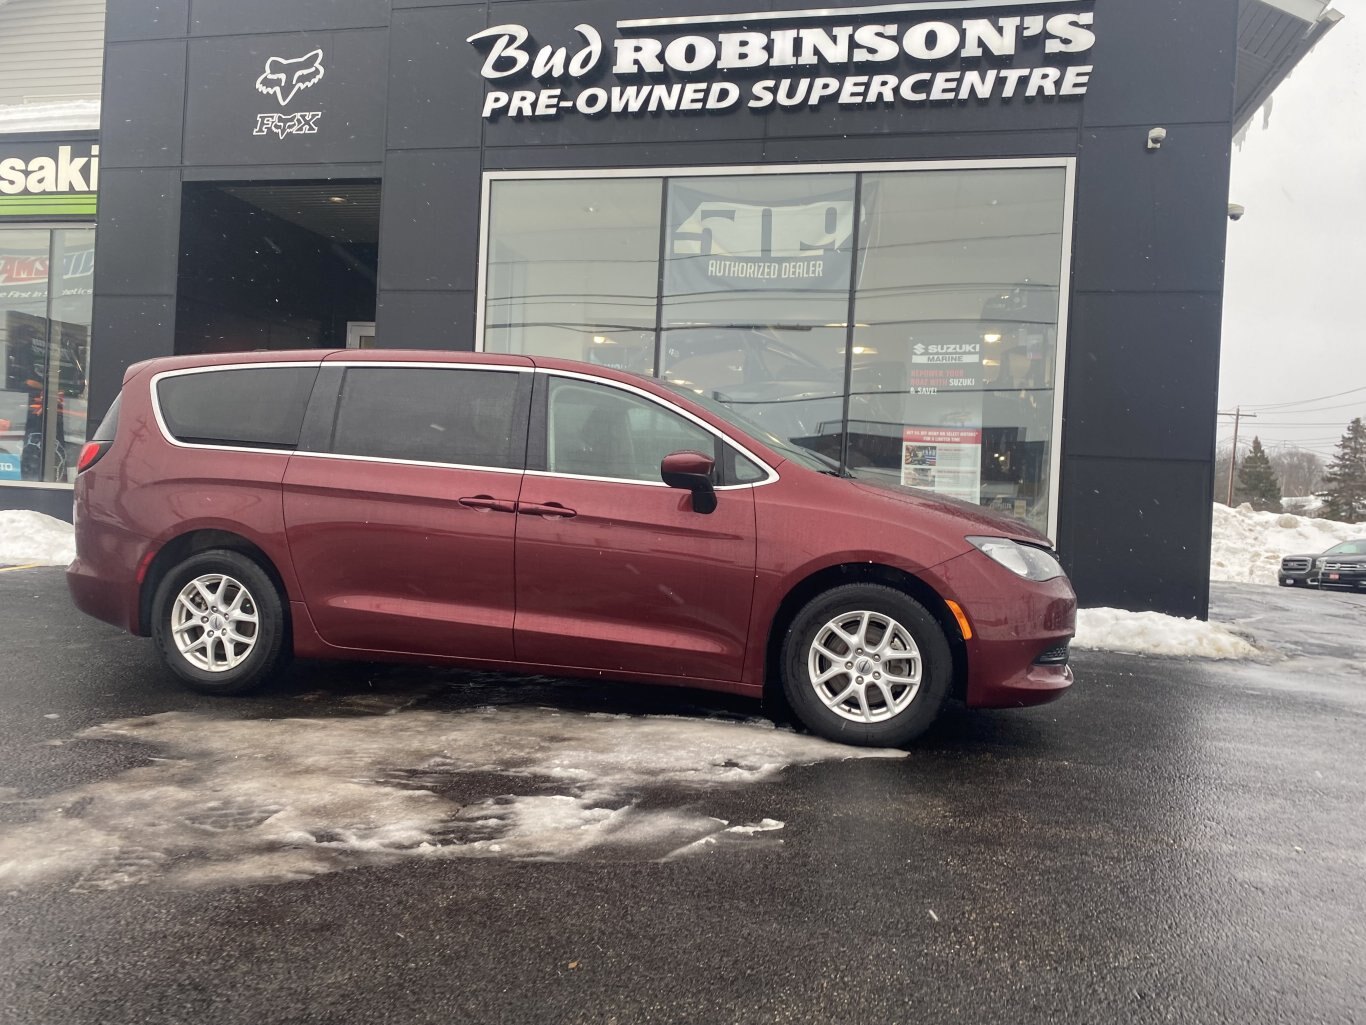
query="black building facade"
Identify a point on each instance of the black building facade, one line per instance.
(973, 247)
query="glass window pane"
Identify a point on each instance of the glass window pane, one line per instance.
(573, 270)
(597, 431)
(45, 299)
(757, 273)
(24, 256)
(463, 417)
(258, 407)
(955, 344)
(70, 296)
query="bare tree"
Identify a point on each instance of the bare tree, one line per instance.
(1299, 471)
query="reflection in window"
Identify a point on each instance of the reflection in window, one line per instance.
(596, 431)
(45, 295)
(955, 339)
(953, 277)
(756, 292)
(573, 270)
(461, 417)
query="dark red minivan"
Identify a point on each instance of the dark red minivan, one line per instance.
(544, 516)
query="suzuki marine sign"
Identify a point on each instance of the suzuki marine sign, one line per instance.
(885, 55)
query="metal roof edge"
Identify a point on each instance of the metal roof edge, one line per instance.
(1317, 28)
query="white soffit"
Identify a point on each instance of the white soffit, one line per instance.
(1273, 37)
(1307, 10)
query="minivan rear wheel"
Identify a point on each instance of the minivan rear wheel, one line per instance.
(866, 664)
(218, 622)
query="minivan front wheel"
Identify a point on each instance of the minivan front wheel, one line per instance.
(866, 664)
(218, 621)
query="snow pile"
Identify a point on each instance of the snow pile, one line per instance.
(1151, 633)
(1304, 505)
(228, 801)
(1248, 545)
(30, 538)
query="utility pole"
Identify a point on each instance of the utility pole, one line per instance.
(1238, 416)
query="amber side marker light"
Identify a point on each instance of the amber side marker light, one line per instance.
(962, 618)
(90, 454)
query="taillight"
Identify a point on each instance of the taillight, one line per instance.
(91, 453)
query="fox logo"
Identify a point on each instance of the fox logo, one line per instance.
(284, 78)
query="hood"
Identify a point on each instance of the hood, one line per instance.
(974, 518)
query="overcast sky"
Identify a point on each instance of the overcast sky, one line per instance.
(1295, 297)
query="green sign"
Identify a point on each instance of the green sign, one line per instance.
(49, 179)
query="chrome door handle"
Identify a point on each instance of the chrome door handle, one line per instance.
(488, 502)
(551, 510)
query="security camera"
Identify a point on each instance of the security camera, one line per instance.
(1236, 211)
(1156, 137)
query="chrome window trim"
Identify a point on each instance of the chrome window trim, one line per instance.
(155, 397)
(401, 462)
(770, 474)
(166, 433)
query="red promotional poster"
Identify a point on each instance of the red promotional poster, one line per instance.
(945, 460)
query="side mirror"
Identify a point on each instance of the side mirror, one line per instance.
(691, 471)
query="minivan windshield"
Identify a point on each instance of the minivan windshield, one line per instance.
(802, 456)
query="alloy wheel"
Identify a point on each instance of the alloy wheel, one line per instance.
(215, 623)
(864, 666)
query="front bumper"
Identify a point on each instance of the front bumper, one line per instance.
(1297, 576)
(1352, 577)
(1017, 625)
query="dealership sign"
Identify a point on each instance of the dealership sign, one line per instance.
(48, 179)
(942, 52)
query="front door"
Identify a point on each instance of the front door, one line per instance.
(402, 528)
(615, 571)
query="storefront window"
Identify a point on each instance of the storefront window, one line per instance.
(934, 294)
(45, 299)
(756, 292)
(573, 270)
(955, 337)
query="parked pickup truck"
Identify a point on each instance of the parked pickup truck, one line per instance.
(1342, 565)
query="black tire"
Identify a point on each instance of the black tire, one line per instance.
(925, 702)
(267, 652)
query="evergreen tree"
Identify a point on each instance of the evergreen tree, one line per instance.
(1344, 494)
(1257, 482)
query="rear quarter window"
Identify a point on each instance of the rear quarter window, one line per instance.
(109, 426)
(257, 407)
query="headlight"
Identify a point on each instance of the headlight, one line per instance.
(1023, 560)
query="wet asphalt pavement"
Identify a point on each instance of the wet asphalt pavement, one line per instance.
(1175, 841)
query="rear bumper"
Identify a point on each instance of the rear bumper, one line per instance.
(1014, 621)
(111, 599)
(103, 578)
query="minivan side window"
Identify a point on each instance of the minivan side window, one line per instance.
(598, 431)
(255, 407)
(459, 416)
